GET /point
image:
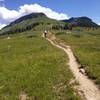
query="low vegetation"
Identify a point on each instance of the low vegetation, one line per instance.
(86, 46)
(37, 21)
(31, 65)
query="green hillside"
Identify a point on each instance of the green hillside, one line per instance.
(86, 47)
(35, 21)
(29, 64)
(40, 22)
(81, 22)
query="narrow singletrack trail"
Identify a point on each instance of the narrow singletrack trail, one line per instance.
(86, 87)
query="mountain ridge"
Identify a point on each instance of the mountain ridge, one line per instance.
(25, 17)
(27, 22)
(81, 21)
(40, 21)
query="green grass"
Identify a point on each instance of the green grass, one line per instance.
(30, 64)
(37, 24)
(86, 46)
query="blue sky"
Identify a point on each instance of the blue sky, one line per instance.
(72, 8)
(90, 8)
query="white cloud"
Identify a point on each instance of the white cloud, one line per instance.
(98, 23)
(7, 15)
(26, 9)
(2, 25)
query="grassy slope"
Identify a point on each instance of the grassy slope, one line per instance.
(86, 46)
(44, 23)
(34, 66)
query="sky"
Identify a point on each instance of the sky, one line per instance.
(10, 10)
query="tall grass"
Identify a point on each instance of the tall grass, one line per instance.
(86, 46)
(30, 64)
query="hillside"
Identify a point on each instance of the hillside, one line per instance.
(86, 47)
(39, 21)
(81, 22)
(35, 21)
(31, 66)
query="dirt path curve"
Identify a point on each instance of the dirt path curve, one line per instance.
(86, 86)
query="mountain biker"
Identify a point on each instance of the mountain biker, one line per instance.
(45, 33)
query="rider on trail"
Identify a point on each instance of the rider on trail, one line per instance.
(45, 33)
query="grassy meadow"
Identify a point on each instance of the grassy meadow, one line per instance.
(86, 47)
(29, 64)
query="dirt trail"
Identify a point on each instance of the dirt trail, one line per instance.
(86, 86)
